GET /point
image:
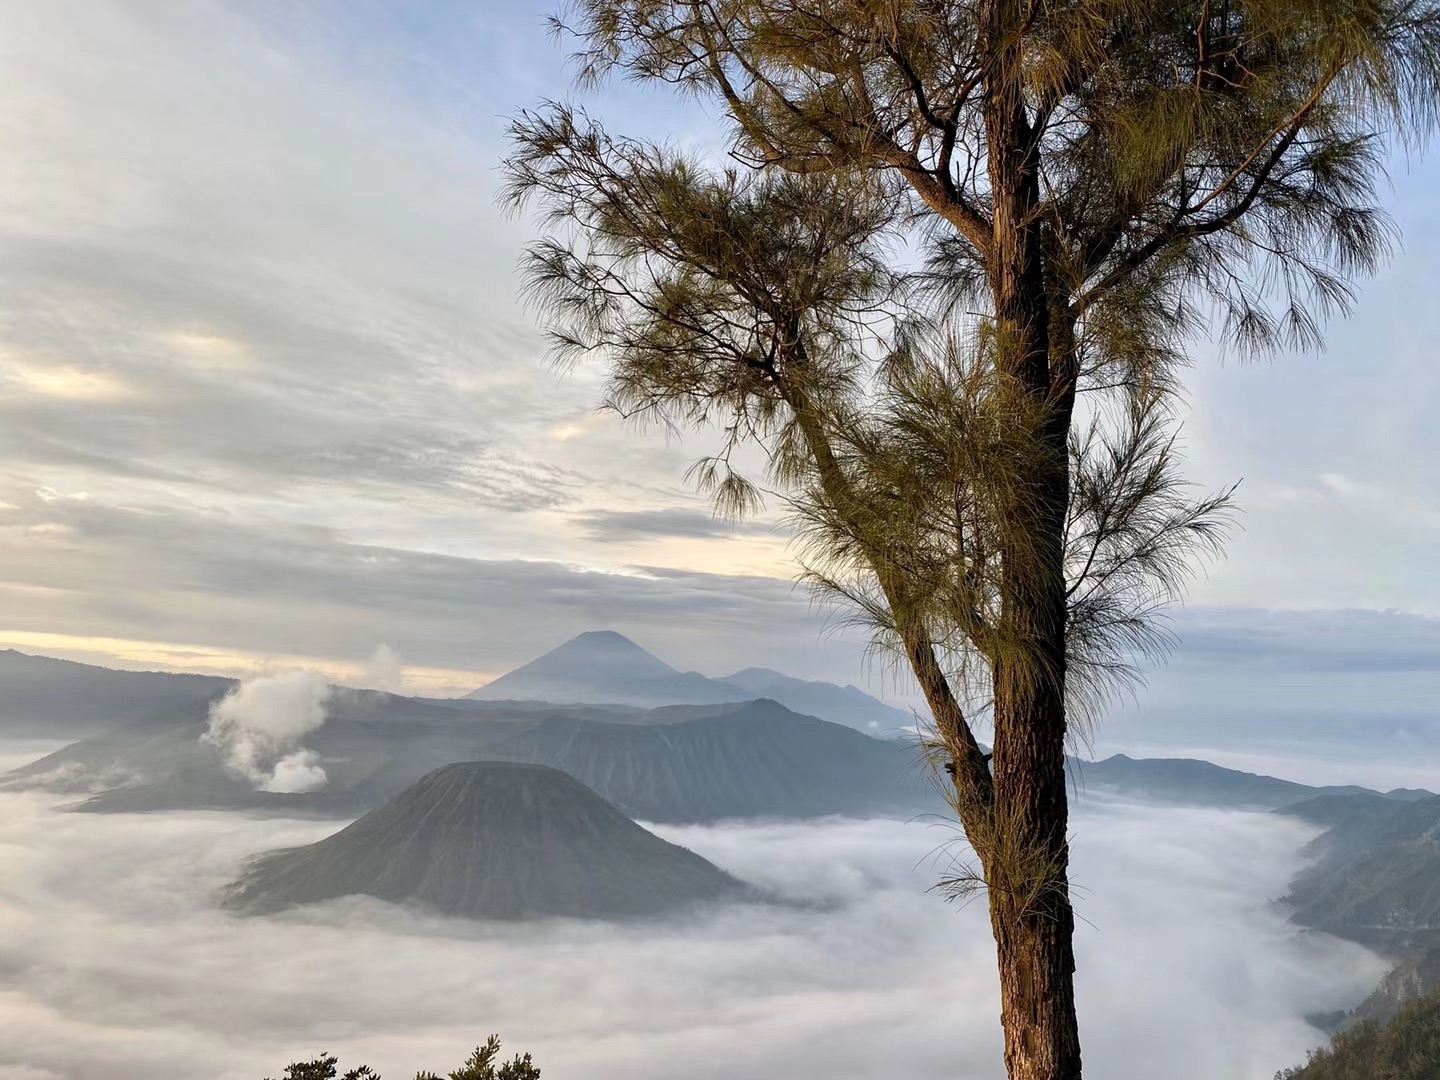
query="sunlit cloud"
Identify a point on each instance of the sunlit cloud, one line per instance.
(377, 671)
(208, 351)
(64, 381)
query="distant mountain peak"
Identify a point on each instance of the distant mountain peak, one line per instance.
(606, 646)
(602, 637)
(580, 669)
(602, 667)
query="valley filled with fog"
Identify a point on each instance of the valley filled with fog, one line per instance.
(116, 962)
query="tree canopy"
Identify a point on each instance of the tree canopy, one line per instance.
(947, 280)
(483, 1064)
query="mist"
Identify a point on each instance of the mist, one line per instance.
(116, 963)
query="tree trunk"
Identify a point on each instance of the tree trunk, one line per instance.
(1037, 967)
(1030, 910)
(1028, 866)
(1027, 862)
(1028, 871)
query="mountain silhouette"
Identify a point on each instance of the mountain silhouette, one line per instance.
(603, 667)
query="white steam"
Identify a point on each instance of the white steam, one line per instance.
(296, 772)
(260, 725)
(383, 671)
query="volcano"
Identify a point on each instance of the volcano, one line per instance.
(491, 840)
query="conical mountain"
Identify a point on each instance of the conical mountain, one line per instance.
(605, 667)
(492, 840)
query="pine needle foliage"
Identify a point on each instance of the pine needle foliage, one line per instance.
(979, 447)
(483, 1064)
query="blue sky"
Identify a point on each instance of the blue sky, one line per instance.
(267, 394)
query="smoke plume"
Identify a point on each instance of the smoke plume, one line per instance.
(383, 671)
(260, 725)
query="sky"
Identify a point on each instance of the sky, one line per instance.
(118, 964)
(268, 396)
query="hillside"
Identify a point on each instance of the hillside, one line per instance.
(847, 705)
(1348, 810)
(372, 746)
(1377, 878)
(1200, 783)
(42, 697)
(1415, 976)
(680, 763)
(757, 759)
(491, 840)
(1407, 1048)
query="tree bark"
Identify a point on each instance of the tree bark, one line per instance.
(1028, 871)
(1028, 859)
(1037, 964)
(1030, 910)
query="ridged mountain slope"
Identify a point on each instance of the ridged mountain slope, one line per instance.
(758, 759)
(493, 840)
(1188, 780)
(1377, 880)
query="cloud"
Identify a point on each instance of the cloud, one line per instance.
(278, 587)
(260, 724)
(115, 964)
(613, 526)
(281, 302)
(1322, 696)
(317, 302)
(1311, 641)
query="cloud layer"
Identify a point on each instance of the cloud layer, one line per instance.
(113, 963)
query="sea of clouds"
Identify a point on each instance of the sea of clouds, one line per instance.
(115, 963)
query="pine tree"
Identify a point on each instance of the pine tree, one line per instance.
(483, 1064)
(981, 454)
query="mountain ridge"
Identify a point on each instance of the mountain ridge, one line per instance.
(605, 667)
(47, 696)
(1375, 879)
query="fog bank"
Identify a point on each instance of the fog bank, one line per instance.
(114, 964)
